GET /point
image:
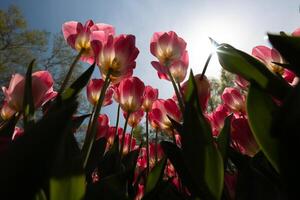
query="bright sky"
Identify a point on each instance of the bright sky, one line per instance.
(241, 23)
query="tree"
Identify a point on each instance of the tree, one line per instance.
(19, 45)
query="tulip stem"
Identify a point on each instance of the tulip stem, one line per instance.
(180, 100)
(123, 135)
(147, 143)
(174, 137)
(131, 135)
(180, 91)
(118, 117)
(68, 76)
(92, 129)
(156, 146)
(205, 66)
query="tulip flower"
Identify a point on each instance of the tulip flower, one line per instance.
(116, 56)
(233, 99)
(93, 91)
(268, 56)
(242, 135)
(241, 82)
(42, 90)
(296, 32)
(127, 143)
(178, 69)
(140, 192)
(79, 36)
(134, 118)
(150, 95)
(217, 119)
(111, 134)
(18, 132)
(130, 93)
(103, 126)
(203, 90)
(230, 181)
(6, 111)
(167, 47)
(161, 109)
(153, 153)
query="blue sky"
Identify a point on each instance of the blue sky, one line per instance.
(241, 23)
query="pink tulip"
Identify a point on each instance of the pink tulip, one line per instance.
(296, 32)
(241, 82)
(111, 134)
(93, 91)
(103, 126)
(79, 36)
(127, 142)
(150, 95)
(161, 109)
(178, 69)
(167, 47)
(268, 56)
(130, 93)
(217, 118)
(18, 132)
(42, 90)
(135, 117)
(203, 89)
(242, 135)
(140, 192)
(142, 159)
(6, 111)
(116, 55)
(233, 99)
(152, 153)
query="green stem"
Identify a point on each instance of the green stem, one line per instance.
(180, 91)
(147, 144)
(131, 135)
(68, 76)
(118, 117)
(176, 91)
(92, 130)
(205, 66)
(156, 147)
(123, 135)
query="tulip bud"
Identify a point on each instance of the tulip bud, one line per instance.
(242, 135)
(94, 89)
(134, 118)
(140, 192)
(150, 95)
(203, 90)
(103, 126)
(233, 99)
(17, 133)
(217, 119)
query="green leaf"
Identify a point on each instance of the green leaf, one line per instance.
(28, 104)
(223, 139)
(202, 158)
(260, 110)
(68, 188)
(78, 84)
(251, 69)
(289, 48)
(155, 175)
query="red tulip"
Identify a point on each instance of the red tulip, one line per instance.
(42, 90)
(103, 126)
(111, 134)
(167, 47)
(6, 111)
(203, 89)
(268, 56)
(230, 181)
(161, 109)
(116, 55)
(130, 93)
(178, 68)
(142, 159)
(242, 135)
(152, 149)
(79, 36)
(233, 99)
(135, 117)
(217, 119)
(150, 95)
(93, 91)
